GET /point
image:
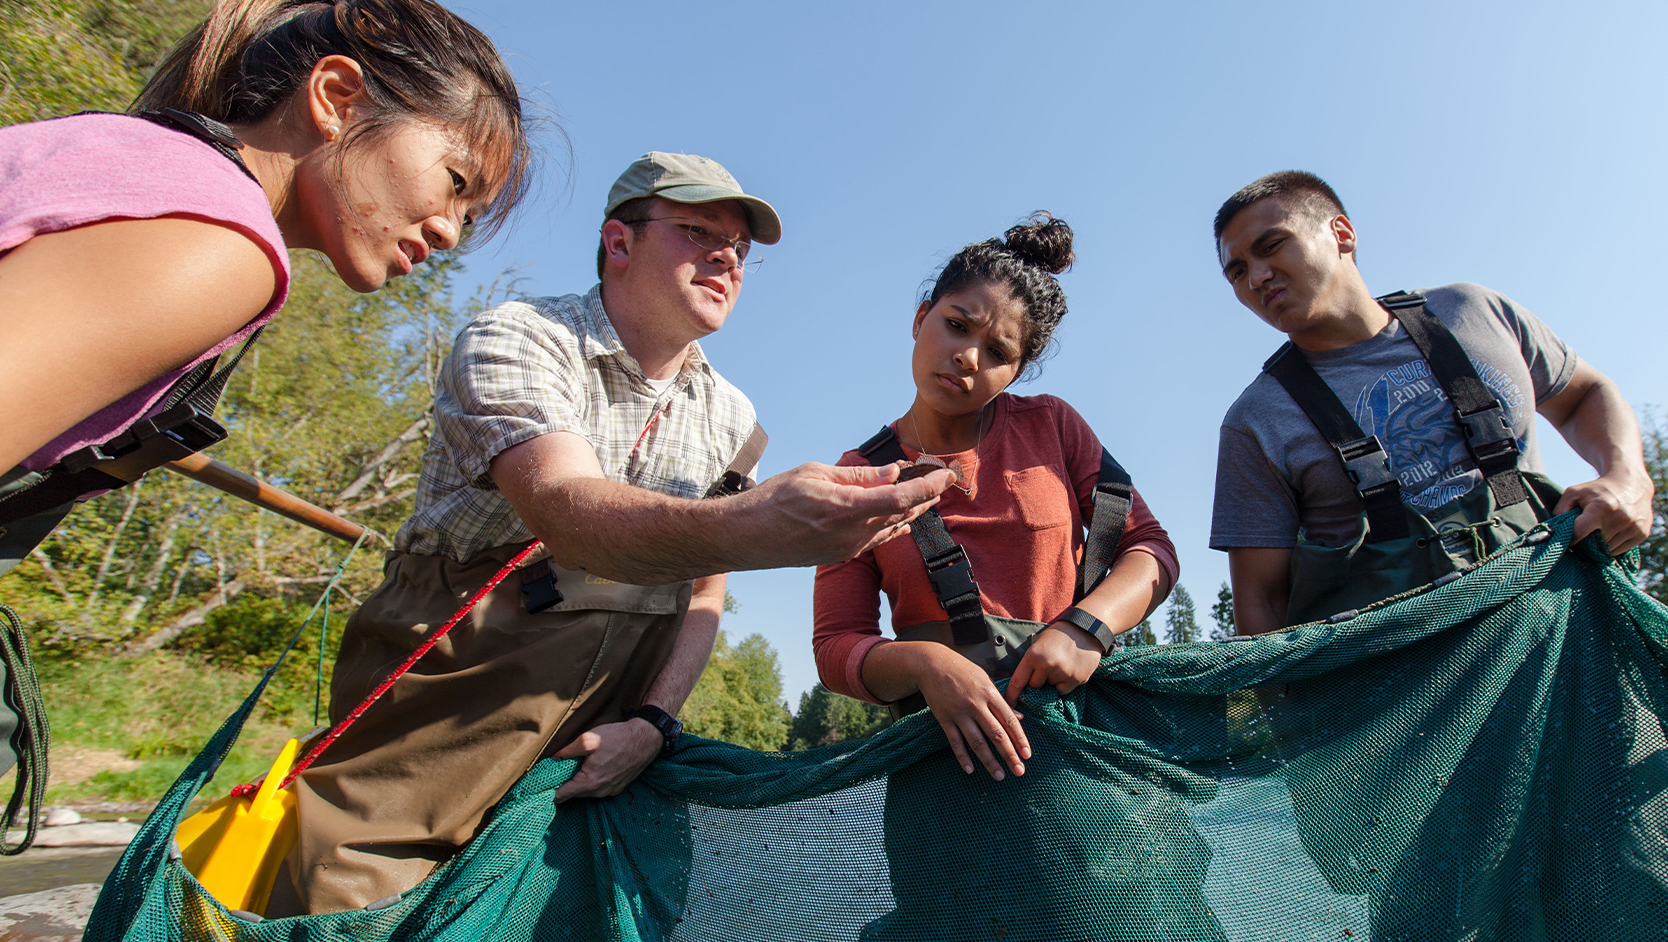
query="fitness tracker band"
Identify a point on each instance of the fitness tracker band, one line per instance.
(1089, 623)
(671, 728)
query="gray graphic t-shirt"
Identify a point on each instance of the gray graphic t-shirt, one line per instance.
(1277, 478)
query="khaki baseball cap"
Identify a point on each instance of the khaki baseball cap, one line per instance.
(686, 178)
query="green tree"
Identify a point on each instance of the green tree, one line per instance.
(826, 717)
(332, 405)
(1140, 634)
(739, 696)
(1181, 622)
(1653, 562)
(1223, 614)
(58, 57)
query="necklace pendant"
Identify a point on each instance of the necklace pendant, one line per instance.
(931, 461)
(961, 483)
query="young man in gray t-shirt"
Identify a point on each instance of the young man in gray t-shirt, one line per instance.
(1288, 249)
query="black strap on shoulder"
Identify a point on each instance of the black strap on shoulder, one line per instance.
(1363, 455)
(203, 128)
(947, 565)
(1482, 419)
(1114, 495)
(735, 478)
(184, 426)
(149, 443)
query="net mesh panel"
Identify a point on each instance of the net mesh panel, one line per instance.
(1483, 760)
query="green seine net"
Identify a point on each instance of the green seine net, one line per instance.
(1482, 760)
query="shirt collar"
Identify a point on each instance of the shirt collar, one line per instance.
(603, 341)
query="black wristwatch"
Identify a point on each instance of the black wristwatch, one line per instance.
(671, 728)
(1089, 623)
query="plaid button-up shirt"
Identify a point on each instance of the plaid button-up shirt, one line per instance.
(529, 368)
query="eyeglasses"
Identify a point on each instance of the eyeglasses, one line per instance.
(712, 242)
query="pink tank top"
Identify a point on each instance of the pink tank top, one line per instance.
(68, 172)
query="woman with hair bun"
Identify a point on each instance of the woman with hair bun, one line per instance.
(135, 249)
(1026, 469)
(995, 592)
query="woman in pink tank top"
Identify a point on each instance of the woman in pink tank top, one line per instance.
(374, 131)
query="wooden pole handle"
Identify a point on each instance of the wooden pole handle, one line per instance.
(202, 468)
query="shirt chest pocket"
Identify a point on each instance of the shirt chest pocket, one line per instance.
(1041, 494)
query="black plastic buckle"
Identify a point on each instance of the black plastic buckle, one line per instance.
(1366, 464)
(1489, 429)
(167, 436)
(952, 577)
(538, 583)
(1402, 299)
(734, 483)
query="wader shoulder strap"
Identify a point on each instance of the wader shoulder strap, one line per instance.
(1363, 455)
(947, 565)
(1487, 428)
(1114, 495)
(735, 480)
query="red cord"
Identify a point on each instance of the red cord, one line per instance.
(382, 688)
(645, 432)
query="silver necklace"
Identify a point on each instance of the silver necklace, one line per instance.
(939, 462)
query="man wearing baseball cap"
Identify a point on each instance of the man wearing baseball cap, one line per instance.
(594, 423)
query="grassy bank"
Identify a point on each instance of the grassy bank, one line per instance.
(150, 715)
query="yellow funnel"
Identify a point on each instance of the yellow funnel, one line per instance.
(234, 846)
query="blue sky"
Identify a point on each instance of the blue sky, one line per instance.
(1519, 145)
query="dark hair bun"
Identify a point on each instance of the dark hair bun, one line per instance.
(1042, 241)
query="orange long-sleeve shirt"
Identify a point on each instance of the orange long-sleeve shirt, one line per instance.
(1022, 526)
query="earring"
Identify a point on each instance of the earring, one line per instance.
(332, 131)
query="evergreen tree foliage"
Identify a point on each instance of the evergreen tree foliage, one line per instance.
(1140, 634)
(826, 717)
(1222, 613)
(1181, 622)
(739, 696)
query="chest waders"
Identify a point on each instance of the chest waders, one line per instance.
(993, 642)
(1398, 548)
(33, 502)
(542, 654)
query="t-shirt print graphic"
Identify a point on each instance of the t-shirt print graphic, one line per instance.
(1408, 411)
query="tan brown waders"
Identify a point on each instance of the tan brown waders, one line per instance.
(546, 655)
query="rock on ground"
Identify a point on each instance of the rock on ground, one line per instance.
(48, 916)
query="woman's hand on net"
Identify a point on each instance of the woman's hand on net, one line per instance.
(1061, 654)
(975, 718)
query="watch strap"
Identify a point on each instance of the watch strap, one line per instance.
(671, 728)
(1094, 626)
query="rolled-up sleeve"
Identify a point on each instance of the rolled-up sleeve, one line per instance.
(507, 381)
(846, 620)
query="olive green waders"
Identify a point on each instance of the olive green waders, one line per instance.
(413, 780)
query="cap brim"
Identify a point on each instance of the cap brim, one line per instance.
(762, 221)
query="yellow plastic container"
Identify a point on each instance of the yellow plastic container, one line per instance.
(235, 846)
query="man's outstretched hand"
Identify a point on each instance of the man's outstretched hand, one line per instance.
(821, 514)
